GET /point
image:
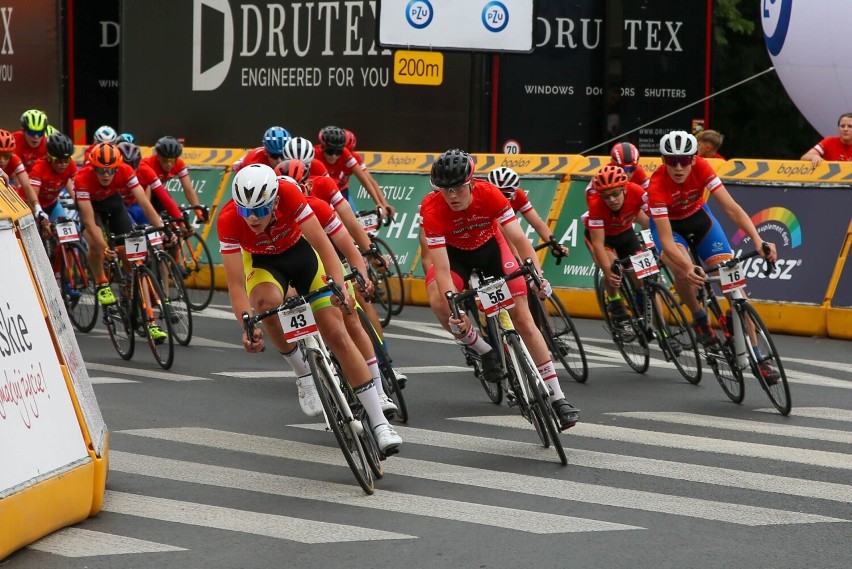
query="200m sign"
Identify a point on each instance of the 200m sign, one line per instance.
(418, 67)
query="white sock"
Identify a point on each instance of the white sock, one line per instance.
(548, 374)
(370, 400)
(373, 366)
(297, 362)
(474, 341)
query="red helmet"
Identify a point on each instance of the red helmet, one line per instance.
(7, 141)
(350, 139)
(105, 155)
(625, 155)
(608, 178)
(294, 169)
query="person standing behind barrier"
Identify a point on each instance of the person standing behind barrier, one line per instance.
(709, 142)
(833, 148)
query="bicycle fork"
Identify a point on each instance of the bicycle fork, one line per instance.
(312, 345)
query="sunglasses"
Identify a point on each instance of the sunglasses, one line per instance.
(258, 212)
(35, 133)
(276, 156)
(6, 155)
(629, 169)
(611, 196)
(105, 171)
(333, 151)
(677, 161)
(454, 190)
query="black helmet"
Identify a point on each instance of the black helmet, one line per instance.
(452, 168)
(59, 146)
(333, 138)
(168, 147)
(131, 153)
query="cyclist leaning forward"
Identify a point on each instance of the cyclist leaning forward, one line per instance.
(466, 224)
(681, 219)
(282, 244)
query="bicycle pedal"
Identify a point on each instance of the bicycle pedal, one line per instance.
(511, 400)
(389, 452)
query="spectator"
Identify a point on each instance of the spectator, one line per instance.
(709, 142)
(834, 148)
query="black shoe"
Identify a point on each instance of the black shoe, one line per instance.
(492, 370)
(703, 332)
(566, 414)
(617, 312)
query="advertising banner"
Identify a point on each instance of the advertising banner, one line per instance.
(577, 270)
(808, 227)
(29, 57)
(230, 69)
(206, 182)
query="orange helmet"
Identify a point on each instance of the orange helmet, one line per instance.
(294, 169)
(105, 155)
(608, 178)
(7, 141)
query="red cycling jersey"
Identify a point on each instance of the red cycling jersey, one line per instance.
(88, 187)
(331, 224)
(520, 202)
(255, 156)
(616, 222)
(324, 188)
(467, 229)
(341, 170)
(27, 153)
(14, 166)
(833, 150)
(48, 183)
(678, 201)
(282, 232)
(179, 169)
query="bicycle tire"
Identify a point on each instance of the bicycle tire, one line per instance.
(164, 352)
(353, 450)
(539, 406)
(368, 440)
(196, 263)
(118, 318)
(177, 308)
(77, 276)
(493, 390)
(535, 419)
(381, 299)
(397, 299)
(779, 392)
(390, 384)
(598, 278)
(674, 334)
(561, 336)
(630, 341)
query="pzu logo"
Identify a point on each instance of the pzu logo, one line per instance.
(419, 13)
(775, 16)
(495, 16)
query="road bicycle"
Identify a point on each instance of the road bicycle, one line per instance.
(193, 258)
(170, 277)
(140, 301)
(743, 343)
(552, 318)
(344, 415)
(521, 380)
(73, 273)
(382, 267)
(651, 313)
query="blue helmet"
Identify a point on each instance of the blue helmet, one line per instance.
(275, 138)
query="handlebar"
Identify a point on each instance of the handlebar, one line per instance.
(138, 231)
(555, 248)
(455, 298)
(379, 211)
(737, 260)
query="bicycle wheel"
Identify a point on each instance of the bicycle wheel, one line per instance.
(598, 277)
(350, 444)
(77, 284)
(118, 318)
(561, 336)
(176, 296)
(164, 349)
(539, 406)
(515, 398)
(674, 334)
(628, 336)
(394, 276)
(196, 264)
(763, 357)
(723, 362)
(390, 385)
(472, 359)
(368, 441)
(382, 299)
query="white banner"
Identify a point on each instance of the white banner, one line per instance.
(479, 25)
(39, 431)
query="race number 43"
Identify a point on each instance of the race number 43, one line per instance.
(298, 322)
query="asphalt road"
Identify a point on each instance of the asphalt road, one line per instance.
(213, 465)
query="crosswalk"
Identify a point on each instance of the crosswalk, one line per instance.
(473, 462)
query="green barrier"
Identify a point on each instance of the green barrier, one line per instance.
(577, 269)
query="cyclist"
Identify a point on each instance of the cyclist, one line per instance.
(103, 133)
(54, 173)
(342, 164)
(98, 185)
(126, 137)
(681, 219)
(282, 244)
(298, 148)
(270, 153)
(30, 140)
(467, 224)
(150, 182)
(15, 171)
(167, 164)
(614, 206)
(626, 156)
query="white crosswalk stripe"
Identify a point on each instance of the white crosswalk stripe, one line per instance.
(79, 542)
(827, 413)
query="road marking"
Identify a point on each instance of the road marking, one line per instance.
(813, 379)
(828, 413)
(215, 313)
(482, 478)
(710, 422)
(135, 371)
(79, 542)
(230, 519)
(418, 338)
(837, 366)
(105, 380)
(685, 442)
(256, 374)
(208, 343)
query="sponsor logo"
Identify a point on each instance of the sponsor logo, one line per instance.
(419, 13)
(495, 16)
(775, 17)
(214, 75)
(776, 225)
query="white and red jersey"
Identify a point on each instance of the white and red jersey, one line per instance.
(282, 232)
(666, 198)
(14, 166)
(325, 214)
(341, 170)
(179, 169)
(520, 202)
(832, 149)
(324, 188)
(48, 183)
(600, 216)
(255, 156)
(468, 229)
(89, 188)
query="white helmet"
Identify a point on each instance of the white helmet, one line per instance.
(299, 148)
(504, 178)
(678, 143)
(256, 185)
(105, 134)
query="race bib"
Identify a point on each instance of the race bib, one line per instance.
(370, 222)
(495, 296)
(731, 279)
(136, 248)
(647, 239)
(298, 322)
(67, 232)
(644, 264)
(155, 238)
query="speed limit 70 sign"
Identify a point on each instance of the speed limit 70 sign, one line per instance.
(511, 146)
